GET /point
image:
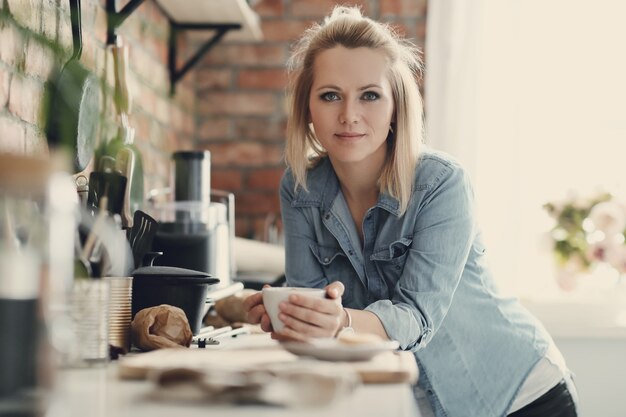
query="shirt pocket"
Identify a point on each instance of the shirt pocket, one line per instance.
(336, 267)
(390, 260)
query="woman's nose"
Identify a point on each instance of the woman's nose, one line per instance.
(349, 113)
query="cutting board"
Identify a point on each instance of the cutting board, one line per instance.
(387, 367)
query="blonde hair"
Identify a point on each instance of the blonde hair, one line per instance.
(347, 27)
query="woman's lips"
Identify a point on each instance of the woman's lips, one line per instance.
(349, 135)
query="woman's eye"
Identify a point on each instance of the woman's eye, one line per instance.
(329, 96)
(370, 95)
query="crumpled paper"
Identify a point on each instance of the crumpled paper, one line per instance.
(297, 384)
(229, 311)
(159, 327)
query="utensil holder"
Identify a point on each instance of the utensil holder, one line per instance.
(89, 314)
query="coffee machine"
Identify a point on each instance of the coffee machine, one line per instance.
(196, 230)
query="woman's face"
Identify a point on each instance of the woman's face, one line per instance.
(351, 105)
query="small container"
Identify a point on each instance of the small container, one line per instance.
(89, 312)
(120, 314)
(178, 287)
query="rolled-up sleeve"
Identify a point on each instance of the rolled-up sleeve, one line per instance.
(443, 232)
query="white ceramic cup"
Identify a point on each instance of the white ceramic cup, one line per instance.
(272, 297)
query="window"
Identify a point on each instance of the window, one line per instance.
(548, 81)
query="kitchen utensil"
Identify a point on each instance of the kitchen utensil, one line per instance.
(74, 106)
(183, 288)
(192, 176)
(125, 160)
(141, 236)
(110, 184)
(194, 235)
(273, 296)
(125, 136)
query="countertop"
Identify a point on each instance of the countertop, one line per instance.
(98, 392)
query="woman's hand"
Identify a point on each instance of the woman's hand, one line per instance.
(307, 317)
(256, 311)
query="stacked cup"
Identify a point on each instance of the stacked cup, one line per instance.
(121, 290)
(89, 311)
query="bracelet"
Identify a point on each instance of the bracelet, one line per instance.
(349, 318)
(348, 328)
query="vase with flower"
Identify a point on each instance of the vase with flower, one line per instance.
(588, 232)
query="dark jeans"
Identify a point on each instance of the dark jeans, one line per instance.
(557, 402)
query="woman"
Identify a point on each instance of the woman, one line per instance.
(389, 230)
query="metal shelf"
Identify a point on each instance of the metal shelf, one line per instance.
(192, 15)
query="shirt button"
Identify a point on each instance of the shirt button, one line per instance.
(351, 252)
(327, 216)
(398, 267)
(326, 260)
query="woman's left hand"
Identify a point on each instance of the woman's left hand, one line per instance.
(307, 317)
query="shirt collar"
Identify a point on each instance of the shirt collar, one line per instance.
(323, 187)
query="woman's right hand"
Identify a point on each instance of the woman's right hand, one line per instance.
(256, 311)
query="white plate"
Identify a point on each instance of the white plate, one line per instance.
(332, 350)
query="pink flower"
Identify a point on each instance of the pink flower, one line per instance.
(608, 217)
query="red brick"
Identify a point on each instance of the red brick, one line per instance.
(420, 32)
(243, 154)
(320, 8)
(142, 124)
(284, 30)
(265, 178)
(162, 110)
(269, 8)
(4, 87)
(265, 129)
(25, 98)
(88, 56)
(64, 28)
(236, 103)
(403, 8)
(100, 24)
(214, 128)
(214, 79)
(12, 45)
(145, 99)
(40, 61)
(11, 135)
(49, 19)
(226, 179)
(185, 96)
(26, 12)
(246, 55)
(242, 225)
(256, 203)
(35, 142)
(275, 79)
(153, 14)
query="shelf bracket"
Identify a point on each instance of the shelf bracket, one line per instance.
(220, 30)
(115, 18)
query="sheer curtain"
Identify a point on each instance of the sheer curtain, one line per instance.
(529, 96)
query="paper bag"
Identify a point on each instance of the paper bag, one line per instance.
(159, 327)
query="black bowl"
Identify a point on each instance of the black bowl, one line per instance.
(179, 287)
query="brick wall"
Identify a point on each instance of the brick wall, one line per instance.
(36, 40)
(241, 100)
(232, 104)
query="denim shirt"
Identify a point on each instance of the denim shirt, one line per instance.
(424, 274)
